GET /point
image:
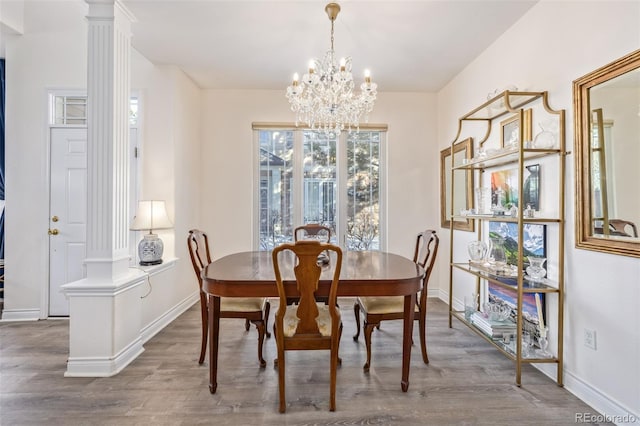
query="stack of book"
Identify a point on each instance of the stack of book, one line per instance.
(493, 329)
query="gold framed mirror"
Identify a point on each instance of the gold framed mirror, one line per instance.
(607, 149)
(463, 191)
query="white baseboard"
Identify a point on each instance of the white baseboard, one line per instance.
(611, 410)
(104, 367)
(433, 292)
(165, 319)
(20, 315)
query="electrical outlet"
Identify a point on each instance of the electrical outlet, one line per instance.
(590, 338)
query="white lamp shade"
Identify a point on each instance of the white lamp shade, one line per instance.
(151, 215)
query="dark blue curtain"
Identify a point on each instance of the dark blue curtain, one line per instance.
(2, 165)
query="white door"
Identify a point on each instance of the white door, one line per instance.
(68, 210)
(67, 214)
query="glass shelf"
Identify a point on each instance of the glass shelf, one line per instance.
(507, 281)
(504, 156)
(501, 104)
(504, 218)
(508, 349)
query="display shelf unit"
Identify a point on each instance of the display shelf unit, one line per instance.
(490, 113)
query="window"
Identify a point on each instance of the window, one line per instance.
(311, 177)
(602, 154)
(69, 110)
(72, 110)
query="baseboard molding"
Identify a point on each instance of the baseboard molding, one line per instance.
(20, 315)
(104, 367)
(433, 292)
(161, 322)
(611, 410)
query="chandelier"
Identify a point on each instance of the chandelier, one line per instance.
(324, 99)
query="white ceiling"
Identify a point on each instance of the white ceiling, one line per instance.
(407, 45)
(417, 45)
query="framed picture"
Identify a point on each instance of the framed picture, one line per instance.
(534, 241)
(510, 130)
(461, 195)
(504, 187)
(509, 297)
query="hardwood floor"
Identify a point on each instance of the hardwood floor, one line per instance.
(467, 381)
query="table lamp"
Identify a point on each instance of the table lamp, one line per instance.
(150, 215)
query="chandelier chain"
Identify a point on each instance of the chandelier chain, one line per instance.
(332, 21)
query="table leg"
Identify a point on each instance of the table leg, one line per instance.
(214, 328)
(409, 306)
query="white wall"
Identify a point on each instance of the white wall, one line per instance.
(228, 152)
(171, 114)
(50, 56)
(552, 45)
(35, 62)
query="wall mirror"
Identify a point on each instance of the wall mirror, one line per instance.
(607, 148)
(463, 191)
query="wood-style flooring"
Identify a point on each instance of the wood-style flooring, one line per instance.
(467, 382)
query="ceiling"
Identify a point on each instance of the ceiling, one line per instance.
(416, 46)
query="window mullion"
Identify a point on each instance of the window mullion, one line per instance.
(341, 177)
(298, 178)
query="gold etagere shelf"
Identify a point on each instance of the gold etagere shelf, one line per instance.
(514, 279)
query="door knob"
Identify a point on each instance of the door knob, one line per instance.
(53, 231)
(54, 219)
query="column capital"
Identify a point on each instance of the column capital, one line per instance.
(107, 9)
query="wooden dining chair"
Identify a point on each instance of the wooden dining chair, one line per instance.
(624, 227)
(252, 309)
(377, 309)
(310, 324)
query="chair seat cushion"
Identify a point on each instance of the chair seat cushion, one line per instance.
(291, 320)
(383, 305)
(242, 304)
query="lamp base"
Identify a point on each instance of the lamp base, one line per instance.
(153, 262)
(150, 250)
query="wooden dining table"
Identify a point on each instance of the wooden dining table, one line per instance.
(363, 273)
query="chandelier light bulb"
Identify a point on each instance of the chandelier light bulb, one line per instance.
(325, 98)
(295, 79)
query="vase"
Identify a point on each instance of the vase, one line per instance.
(543, 342)
(535, 270)
(497, 255)
(483, 200)
(477, 251)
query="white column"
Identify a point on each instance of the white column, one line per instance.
(108, 90)
(105, 307)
